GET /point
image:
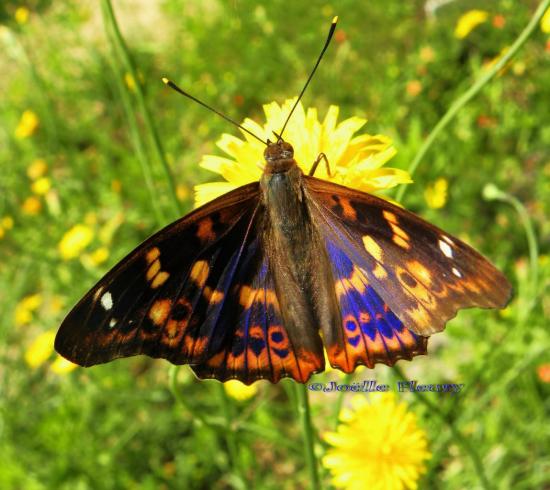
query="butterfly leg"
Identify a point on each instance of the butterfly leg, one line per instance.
(321, 156)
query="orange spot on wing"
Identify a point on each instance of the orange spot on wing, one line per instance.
(160, 279)
(379, 272)
(199, 272)
(152, 255)
(357, 281)
(159, 311)
(347, 209)
(213, 296)
(248, 295)
(153, 270)
(205, 231)
(389, 216)
(372, 247)
(419, 271)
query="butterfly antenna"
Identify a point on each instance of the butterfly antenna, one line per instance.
(173, 86)
(327, 42)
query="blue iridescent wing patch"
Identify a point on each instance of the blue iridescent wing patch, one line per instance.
(371, 331)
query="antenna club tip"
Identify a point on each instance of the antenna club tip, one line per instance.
(335, 20)
(165, 80)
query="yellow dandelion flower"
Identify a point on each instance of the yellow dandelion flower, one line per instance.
(27, 125)
(7, 223)
(62, 365)
(41, 186)
(436, 193)
(378, 445)
(239, 391)
(2, 233)
(37, 169)
(545, 22)
(40, 349)
(31, 205)
(75, 241)
(21, 15)
(469, 21)
(355, 161)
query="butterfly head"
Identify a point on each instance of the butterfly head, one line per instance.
(279, 157)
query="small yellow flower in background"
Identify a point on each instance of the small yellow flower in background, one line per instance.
(436, 193)
(25, 308)
(21, 15)
(414, 87)
(355, 161)
(469, 21)
(96, 258)
(100, 255)
(427, 54)
(75, 241)
(31, 205)
(37, 169)
(378, 445)
(6, 222)
(41, 186)
(239, 391)
(130, 82)
(40, 349)
(545, 22)
(62, 366)
(27, 125)
(116, 186)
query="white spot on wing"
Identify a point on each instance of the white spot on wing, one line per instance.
(107, 301)
(446, 249)
(112, 322)
(456, 272)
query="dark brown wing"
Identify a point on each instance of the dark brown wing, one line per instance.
(200, 292)
(422, 274)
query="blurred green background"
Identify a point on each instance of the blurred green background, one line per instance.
(74, 141)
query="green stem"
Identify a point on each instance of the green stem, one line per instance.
(198, 418)
(230, 433)
(340, 400)
(139, 147)
(129, 66)
(308, 433)
(473, 90)
(492, 192)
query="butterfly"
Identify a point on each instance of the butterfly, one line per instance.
(260, 282)
(255, 284)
